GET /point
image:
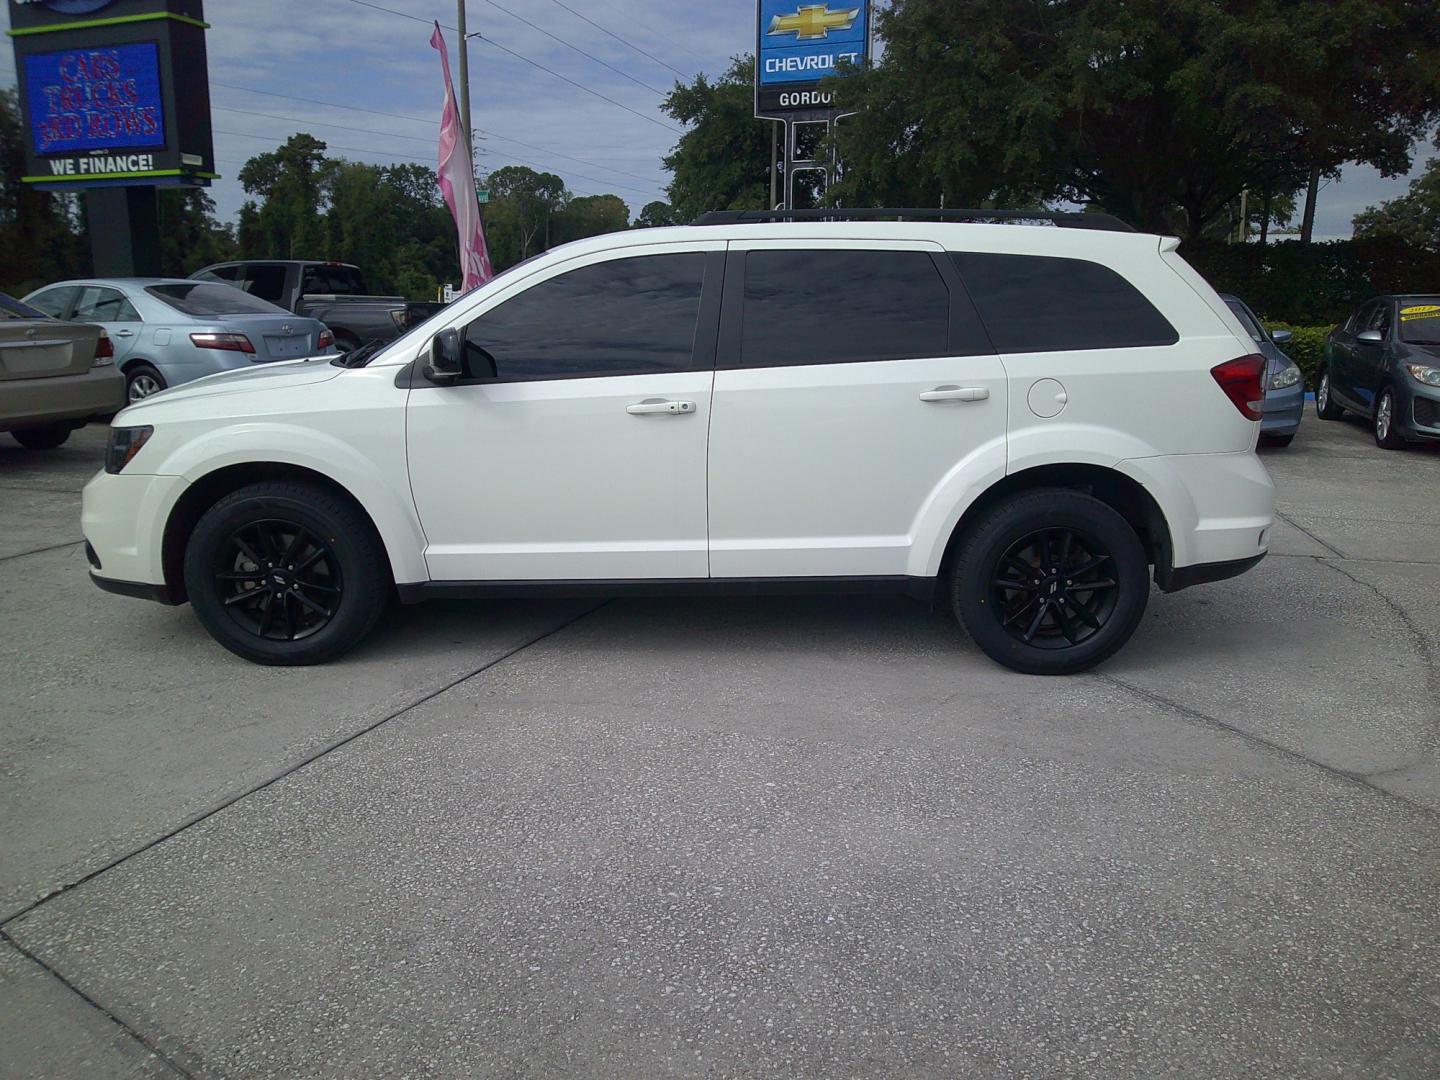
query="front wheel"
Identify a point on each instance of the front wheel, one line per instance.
(1325, 407)
(1386, 437)
(1050, 581)
(286, 573)
(42, 438)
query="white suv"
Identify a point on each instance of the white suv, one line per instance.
(1022, 419)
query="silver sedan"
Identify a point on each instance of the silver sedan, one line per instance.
(168, 331)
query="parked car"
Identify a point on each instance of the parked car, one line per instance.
(1384, 363)
(984, 413)
(332, 292)
(168, 331)
(54, 376)
(1284, 384)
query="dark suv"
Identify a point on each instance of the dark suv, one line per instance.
(1384, 363)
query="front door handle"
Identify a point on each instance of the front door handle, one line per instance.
(956, 393)
(659, 405)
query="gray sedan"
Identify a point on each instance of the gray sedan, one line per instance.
(1284, 384)
(168, 331)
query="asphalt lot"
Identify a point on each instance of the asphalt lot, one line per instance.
(819, 837)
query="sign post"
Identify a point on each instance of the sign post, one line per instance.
(797, 44)
(115, 99)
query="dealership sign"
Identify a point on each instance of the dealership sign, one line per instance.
(797, 44)
(113, 92)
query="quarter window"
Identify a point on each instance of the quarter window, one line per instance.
(623, 317)
(836, 307)
(1034, 303)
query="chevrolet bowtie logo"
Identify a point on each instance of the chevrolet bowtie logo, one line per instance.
(813, 21)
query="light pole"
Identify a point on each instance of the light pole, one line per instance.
(464, 83)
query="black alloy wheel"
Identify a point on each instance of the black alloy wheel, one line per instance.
(278, 580)
(1054, 589)
(287, 572)
(1050, 581)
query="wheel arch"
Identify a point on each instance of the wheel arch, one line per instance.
(199, 496)
(1123, 494)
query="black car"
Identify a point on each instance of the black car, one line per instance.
(1384, 363)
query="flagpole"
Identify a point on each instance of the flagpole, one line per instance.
(464, 83)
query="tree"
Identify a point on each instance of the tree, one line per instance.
(655, 215)
(286, 223)
(528, 201)
(190, 235)
(42, 237)
(591, 215)
(723, 161)
(1413, 217)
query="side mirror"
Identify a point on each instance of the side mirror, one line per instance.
(1281, 337)
(1370, 337)
(447, 358)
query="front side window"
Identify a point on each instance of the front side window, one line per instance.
(98, 304)
(10, 308)
(1039, 303)
(204, 299)
(623, 317)
(54, 302)
(826, 306)
(1380, 318)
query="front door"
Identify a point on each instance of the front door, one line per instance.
(854, 381)
(574, 446)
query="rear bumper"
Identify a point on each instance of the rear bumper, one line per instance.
(61, 399)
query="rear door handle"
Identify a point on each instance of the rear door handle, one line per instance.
(124, 333)
(956, 393)
(658, 405)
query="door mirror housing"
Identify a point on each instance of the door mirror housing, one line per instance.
(447, 358)
(1281, 337)
(1370, 337)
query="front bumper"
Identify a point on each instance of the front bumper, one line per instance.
(1419, 411)
(123, 519)
(61, 399)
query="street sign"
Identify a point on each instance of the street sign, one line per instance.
(113, 93)
(797, 44)
(482, 196)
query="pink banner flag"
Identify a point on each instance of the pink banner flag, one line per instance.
(457, 183)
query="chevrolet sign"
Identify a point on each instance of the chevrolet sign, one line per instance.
(798, 44)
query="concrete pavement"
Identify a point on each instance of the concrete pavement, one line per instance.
(750, 838)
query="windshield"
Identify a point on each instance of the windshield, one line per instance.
(10, 308)
(203, 299)
(1420, 323)
(1251, 326)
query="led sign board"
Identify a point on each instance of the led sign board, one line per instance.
(797, 44)
(95, 99)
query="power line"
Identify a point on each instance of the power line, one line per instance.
(581, 86)
(617, 37)
(418, 120)
(576, 48)
(402, 14)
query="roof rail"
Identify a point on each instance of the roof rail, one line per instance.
(1105, 222)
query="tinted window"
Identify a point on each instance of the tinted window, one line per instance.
(833, 307)
(266, 282)
(627, 316)
(204, 299)
(104, 305)
(1241, 312)
(333, 280)
(1033, 303)
(54, 301)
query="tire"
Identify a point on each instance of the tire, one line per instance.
(1277, 440)
(42, 438)
(1385, 435)
(141, 381)
(1325, 407)
(1061, 641)
(340, 570)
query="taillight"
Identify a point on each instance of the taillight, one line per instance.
(226, 342)
(104, 351)
(1243, 380)
(326, 339)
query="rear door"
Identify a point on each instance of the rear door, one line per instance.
(110, 309)
(853, 380)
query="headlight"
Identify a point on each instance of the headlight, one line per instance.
(125, 443)
(1286, 376)
(1425, 373)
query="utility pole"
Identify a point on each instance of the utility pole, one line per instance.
(465, 82)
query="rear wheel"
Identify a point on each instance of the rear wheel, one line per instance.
(1050, 582)
(42, 438)
(286, 573)
(1325, 406)
(142, 380)
(1386, 436)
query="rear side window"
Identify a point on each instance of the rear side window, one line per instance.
(1037, 303)
(266, 281)
(203, 299)
(332, 281)
(837, 307)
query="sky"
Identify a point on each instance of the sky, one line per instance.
(336, 68)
